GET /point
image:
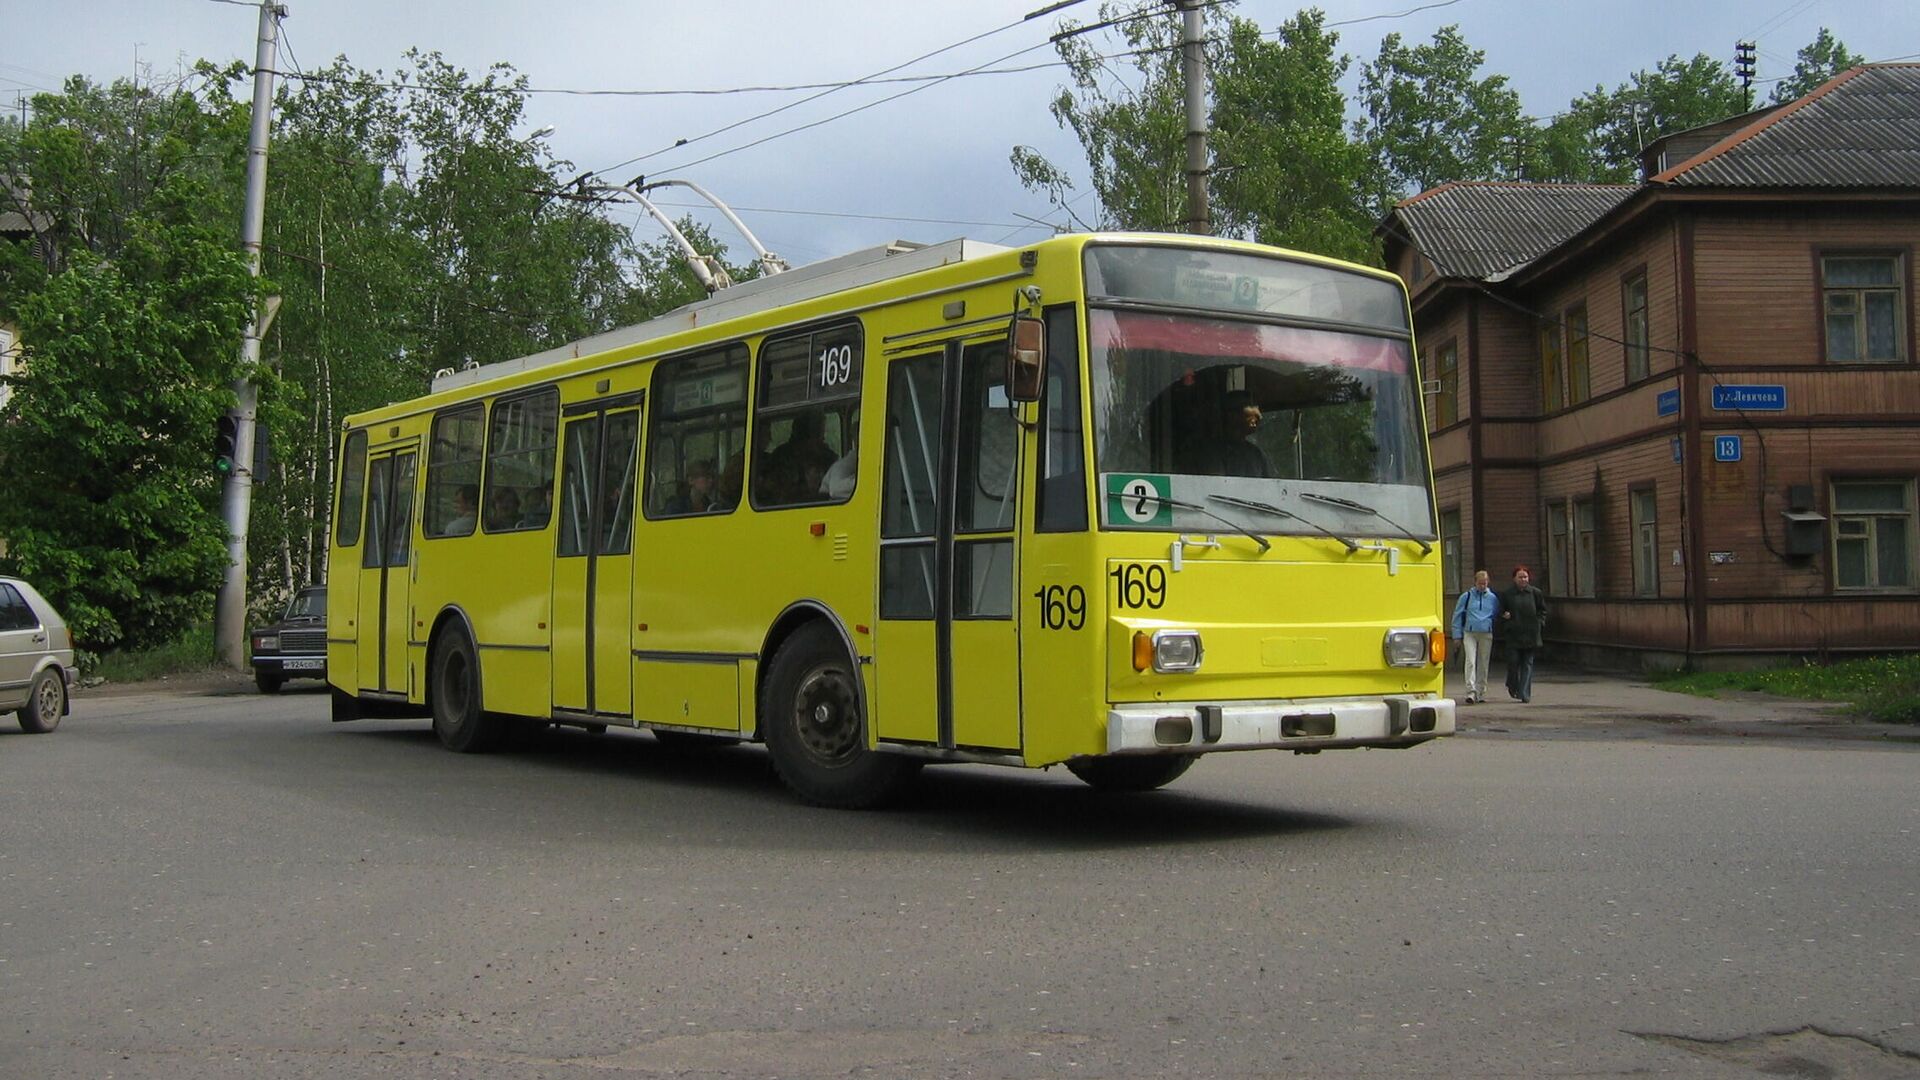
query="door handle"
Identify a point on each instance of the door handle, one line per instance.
(38, 638)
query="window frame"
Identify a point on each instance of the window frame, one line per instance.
(1552, 365)
(351, 496)
(1901, 289)
(436, 467)
(493, 457)
(1559, 562)
(663, 425)
(1578, 353)
(1835, 516)
(1446, 372)
(1629, 348)
(816, 401)
(1645, 531)
(1450, 557)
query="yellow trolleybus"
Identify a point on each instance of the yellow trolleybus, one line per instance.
(1107, 501)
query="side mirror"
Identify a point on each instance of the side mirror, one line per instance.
(1026, 357)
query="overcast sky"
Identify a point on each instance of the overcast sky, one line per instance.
(933, 163)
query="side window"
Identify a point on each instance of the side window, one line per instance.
(520, 453)
(1061, 499)
(808, 418)
(697, 448)
(453, 472)
(15, 614)
(353, 481)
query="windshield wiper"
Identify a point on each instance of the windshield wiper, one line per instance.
(1176, 503)
(1251, 504)
(1335, 500)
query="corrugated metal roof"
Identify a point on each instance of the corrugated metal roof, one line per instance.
(1478, 229)
(1861, 130)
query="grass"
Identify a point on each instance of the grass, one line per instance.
(193, 652)
(1885, 688)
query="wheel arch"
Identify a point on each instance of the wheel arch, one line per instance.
(785, 625)
(452, 616)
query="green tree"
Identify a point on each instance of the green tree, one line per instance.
(1284, 171)
(1821, 60)
(110, 503)
(1432, 118)
(409, 231)
(1287, 173)
(1607, 129)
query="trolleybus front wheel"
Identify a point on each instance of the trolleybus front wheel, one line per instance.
(457, 717)
(1130, 773)
(816, 731)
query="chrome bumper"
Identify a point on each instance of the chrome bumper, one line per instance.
(1321, 724)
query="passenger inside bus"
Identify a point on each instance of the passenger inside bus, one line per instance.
(539, 507)
(795, 468)
(1232, 451)
(733, 480)
(466, 499)
(503, 510)
(701, 494)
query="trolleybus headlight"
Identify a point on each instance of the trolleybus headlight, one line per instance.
(1177, 650)
(1406, 648)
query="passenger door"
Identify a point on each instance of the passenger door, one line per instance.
(385, 559)
(593, 561)
(946, 654)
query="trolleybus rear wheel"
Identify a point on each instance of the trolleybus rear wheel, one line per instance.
(458, 718)
(1130, 773)
(816, 730)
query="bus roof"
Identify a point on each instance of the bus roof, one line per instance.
(863, 267)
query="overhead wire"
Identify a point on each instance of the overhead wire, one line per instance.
(835, 89)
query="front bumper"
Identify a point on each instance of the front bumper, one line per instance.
(1316, 724)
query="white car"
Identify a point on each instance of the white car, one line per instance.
(36, 657)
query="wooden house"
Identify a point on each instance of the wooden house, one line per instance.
(1690, 405)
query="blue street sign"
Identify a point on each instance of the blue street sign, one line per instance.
(1675, 444)
(1751, 398)
(1667, 403)
(1726, 448)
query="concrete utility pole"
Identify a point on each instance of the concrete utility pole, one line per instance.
(236, 498)
(1194, 72)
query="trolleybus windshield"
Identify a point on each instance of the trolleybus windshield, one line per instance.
(1257, 379)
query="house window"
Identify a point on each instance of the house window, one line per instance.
(1861, 298)
(1446, 372)
(1559, 569)
(1552, 373)
(1634, 300)
(1873, 534)
(1646, 544)
(1579, 380)
(1452, 572)
(1583, 547)
(1570, 570)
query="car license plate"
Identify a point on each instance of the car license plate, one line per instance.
(303, 665)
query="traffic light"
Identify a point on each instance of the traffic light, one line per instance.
(223, 440)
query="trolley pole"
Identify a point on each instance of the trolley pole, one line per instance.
(236, 497)
(1194, 72)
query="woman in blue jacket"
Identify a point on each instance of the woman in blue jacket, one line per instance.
(1473, 616)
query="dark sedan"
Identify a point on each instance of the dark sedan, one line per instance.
(296, 646)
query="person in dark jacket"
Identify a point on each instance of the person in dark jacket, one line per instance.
(1523, 621)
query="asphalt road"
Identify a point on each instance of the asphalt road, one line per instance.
(227, 886)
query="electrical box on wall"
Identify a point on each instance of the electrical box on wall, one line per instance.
(1806, 527)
